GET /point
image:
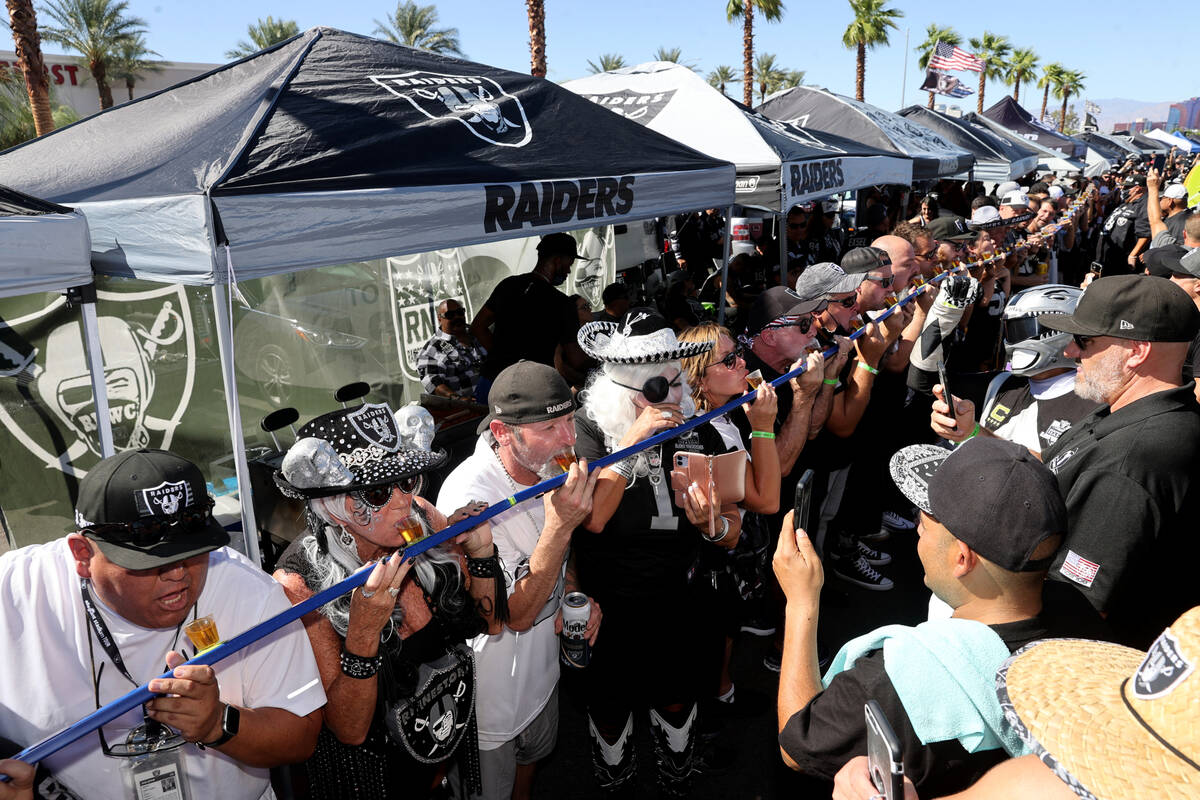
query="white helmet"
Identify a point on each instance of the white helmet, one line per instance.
(1030, 347)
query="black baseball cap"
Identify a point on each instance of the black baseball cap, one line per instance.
(1142, 308)
(779, 303)
(1134, 180)
(146, 509)
(558, 244)
(525, 392)
(1166, 261)
(991, 494)
(950, 229)
(865, 259)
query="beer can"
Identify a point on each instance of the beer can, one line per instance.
(574, 648)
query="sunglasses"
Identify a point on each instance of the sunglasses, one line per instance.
(1082, 342)
(150, 737)
(847, 302)
(153, 530)
(930, 254)
(457, 313)
(803, 322)
(655, 389)
(730, 360)
(378, 496)
(883, 282)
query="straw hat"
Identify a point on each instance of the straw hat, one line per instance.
(1111, 721)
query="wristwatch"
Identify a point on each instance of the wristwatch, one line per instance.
(231, 719)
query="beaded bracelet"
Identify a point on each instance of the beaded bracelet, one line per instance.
(486, 567)
(360, 666)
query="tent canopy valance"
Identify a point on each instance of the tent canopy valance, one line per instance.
(334, 147)
(771, 156)
(996, 159)
(44, 247)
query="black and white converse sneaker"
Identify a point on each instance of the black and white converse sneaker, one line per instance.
(898, 522)
(876, 558)
(855, 569)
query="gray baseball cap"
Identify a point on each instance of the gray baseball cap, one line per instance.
(826, 280)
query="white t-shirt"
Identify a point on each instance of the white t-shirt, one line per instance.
(46, 682)
(516, 672)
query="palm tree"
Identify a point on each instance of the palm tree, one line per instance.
(23, 22)
(868, 29)
(129, 62)
(536, 10)
(789, 78)
(721, 76)
(672, 54)
(607, 63)
(265, 33)
(993, 50)
(1047, 82)
(1022, 66)
(94, 29)
(413, 25)
(772, 11)
(933, 35)
(767, 74)
(16, 115)
(1068, 82)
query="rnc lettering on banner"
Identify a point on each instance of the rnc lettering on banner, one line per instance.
(512, 206)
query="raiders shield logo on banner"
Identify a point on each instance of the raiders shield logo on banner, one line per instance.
(431, 723)
(374, 423)
(1164, 666)
(164, 500)
(478, 103)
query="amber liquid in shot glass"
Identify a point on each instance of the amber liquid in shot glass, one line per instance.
(890, 299)
(411, 529)
(855, 325)
(917, 281)
(563, 460)
(755, 379)
(202, 632)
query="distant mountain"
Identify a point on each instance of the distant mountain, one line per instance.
(1120, 109)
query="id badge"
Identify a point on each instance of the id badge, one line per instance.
(157, 776)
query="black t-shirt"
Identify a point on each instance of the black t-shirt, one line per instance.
(632, 559)
(532, 319)
(1120, 233)
(1189, 364)
(830, 730)
(1131, 481)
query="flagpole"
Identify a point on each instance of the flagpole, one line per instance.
(904, 75)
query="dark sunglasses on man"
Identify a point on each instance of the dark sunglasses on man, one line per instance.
(883, 282)
(454, 313)
(155, 529)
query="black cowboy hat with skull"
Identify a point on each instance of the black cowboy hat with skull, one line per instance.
(352, 448)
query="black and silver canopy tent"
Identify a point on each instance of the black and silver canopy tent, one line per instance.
(996, 159)
(1009, 114)
(819, 109)
(334, 147)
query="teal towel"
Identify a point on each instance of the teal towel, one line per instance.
(944, 672)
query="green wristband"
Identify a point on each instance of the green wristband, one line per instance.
(868, 368)
(762, 435)
(830, 381)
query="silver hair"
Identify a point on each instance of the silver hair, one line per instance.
(339, 559)
(611, 406)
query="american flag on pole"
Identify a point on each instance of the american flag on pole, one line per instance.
(948, 57)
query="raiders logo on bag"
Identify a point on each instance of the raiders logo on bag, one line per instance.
(433, 721)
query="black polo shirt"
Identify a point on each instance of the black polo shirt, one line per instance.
(532, 319)
(830, 730)
(1131, 480)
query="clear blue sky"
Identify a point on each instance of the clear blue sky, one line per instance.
(1100, 37)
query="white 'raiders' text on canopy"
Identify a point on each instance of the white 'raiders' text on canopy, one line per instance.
(333, 147)
(809, 107)
(778, 165)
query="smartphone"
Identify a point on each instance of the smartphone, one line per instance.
(884, 758)
(803, 500)
(946, 388)
(1160, 161)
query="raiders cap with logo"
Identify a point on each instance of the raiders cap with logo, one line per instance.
(950, 229)
(526, 392)
(1138, 307)
(351, 448)
(865, 259)
(147, 508)
(780, 307)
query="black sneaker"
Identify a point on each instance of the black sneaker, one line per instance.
(876, 558)
(758, 626)
(773, 660)
(898, 522)
(855, 569)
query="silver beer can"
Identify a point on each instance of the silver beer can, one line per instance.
(574, 648)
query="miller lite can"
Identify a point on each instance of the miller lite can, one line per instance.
(574, 648)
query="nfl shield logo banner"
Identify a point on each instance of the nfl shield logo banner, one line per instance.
(480, 104)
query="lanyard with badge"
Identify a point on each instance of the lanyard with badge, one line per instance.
(151, 755)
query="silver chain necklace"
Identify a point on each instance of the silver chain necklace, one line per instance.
(513, 485)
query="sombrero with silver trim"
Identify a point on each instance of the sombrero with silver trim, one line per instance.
(351, 448)
(641, 337)
(1111, 721)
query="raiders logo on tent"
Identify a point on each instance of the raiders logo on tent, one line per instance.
(479, 103)
(164, 500)
(1162, 669)
(374, 423)
(638, 106)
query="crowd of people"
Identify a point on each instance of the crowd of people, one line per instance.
(999, 377)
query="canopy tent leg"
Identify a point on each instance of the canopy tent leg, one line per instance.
(781, 221)
(725, 266)
(85, 296)
(222, 299)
